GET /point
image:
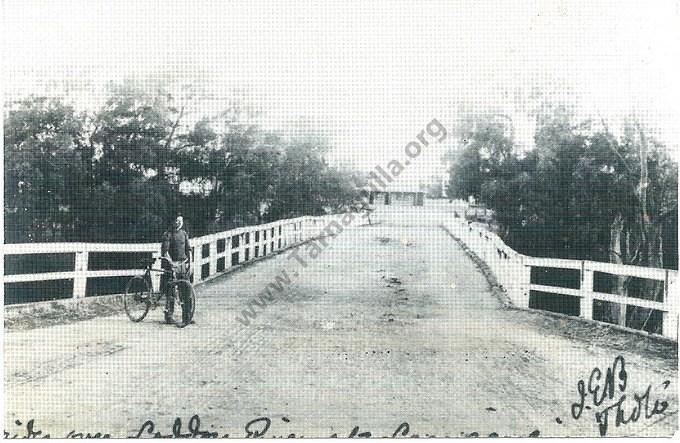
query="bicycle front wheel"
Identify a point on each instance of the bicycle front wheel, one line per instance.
(185, 302)
(137, 298)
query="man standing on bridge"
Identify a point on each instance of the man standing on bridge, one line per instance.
(176, 250)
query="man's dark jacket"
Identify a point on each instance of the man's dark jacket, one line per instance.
(176, 243)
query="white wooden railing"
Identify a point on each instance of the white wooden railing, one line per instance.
(240, 245)
(513, 272)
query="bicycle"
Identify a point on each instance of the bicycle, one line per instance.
(140, 297)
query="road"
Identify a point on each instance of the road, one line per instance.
(391, 323)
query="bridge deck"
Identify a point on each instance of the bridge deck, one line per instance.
(391, 324)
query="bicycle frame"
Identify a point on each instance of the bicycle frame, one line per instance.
(176, 289)
(147, 277)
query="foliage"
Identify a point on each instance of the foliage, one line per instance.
(580, 193)
(120, 174)
(43, 169)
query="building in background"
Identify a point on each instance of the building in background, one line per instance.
(394, 196)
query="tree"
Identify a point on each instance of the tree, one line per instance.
(134, 129)
(465, 176)
(43, 170)
(560, 144)
(133, 164)
(234, 172)
(300, 190)
(486, 151)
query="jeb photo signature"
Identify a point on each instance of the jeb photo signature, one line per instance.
(601, 387)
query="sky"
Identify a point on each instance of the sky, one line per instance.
(369, 75)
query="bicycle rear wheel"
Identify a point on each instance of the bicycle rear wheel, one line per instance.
(185, 302)
(137, 298)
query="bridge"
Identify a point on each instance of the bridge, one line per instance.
(417, 317)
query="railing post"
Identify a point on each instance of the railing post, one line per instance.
(494, 261)
(242, 246)
(80, 280)
(500, 263)
(586, 292)
(213, 257)
(622, 314)
(156, 276)
(670, 325)
(271, 238)
(670, 316)
(524, 284)
(198, 259)
(227, 252)
(517, 287)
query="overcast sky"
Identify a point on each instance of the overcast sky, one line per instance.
(371, 73)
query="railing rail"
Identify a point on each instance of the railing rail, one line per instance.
(513, 271)
(238, 245)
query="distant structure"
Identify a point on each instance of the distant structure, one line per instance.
(445, 178)
(395, 197)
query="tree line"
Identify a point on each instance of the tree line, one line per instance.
(120, 173)
(579, 193)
